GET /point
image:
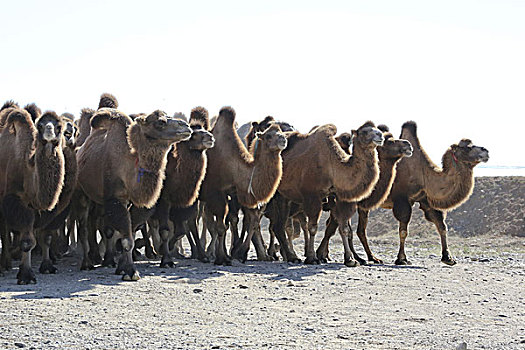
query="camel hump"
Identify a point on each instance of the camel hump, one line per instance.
(33, 110)
(180, 116)
(107, 101)
(329, 129)
(68, 116)
(227, 113)
(383, 128)
(20, 116)
(103, 118)
(9, 104)
(199, 115)
(410, 126)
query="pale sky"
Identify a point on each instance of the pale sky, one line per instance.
(455, 67)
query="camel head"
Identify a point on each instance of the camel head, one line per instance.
(272, 138)
(367, 135)
(466, 152)
(199, 115)
(394, 149)
(201, 139)
(70, 133)
(345, 141)
(159, 128)
(49, 128)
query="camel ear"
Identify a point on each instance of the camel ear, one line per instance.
(141, 120)
(254, 124)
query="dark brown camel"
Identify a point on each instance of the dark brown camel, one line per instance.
(184, 175)
(437, 190)
(123, 162)
(322, 167)
(390, 153)
(31, 175)
(232, 169)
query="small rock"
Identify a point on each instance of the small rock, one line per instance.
(83, 322)
(242, 286)
(20, 345)
(197, 290)
(462, 346)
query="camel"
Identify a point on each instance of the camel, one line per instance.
(232, 219)
(123, 162)
(437, 190)
(52, 221)
(232, 169)
(31, 175)
(314, 166)
(389, 154)
(185, 172)
(84, 126)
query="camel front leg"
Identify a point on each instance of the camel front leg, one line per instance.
(323, 251)
(44, 239)
(402, 212)
(117, 217)
(5, 235)
(312, 209)
(437, 217)
(25, 272)
(241, 251)
(279, 209)
(361, 233)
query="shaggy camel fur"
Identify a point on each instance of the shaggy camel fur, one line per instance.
(31, 175)
(314, 165)
(52, 221)
(184, 175)
(437, 190)
(390, 153)
(123, 162)
(232, 169)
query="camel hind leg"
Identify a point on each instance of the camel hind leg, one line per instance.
(312, 209)
(437, 217)
(44, 239)
(361, 233)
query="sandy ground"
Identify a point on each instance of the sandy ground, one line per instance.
(477, 304)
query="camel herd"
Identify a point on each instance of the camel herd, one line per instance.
(109, 175)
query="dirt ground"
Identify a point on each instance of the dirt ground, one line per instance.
(477, 304)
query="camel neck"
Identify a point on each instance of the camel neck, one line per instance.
(355, 177)
(387, 173)
(448, 188)
(48, 176)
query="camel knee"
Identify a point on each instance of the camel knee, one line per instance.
(403, 234)
(27, 242)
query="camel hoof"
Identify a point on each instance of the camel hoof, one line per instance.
(375, 260)
(47, 267)
(87, 265)
(223, 262)
(323, 260)
(311, 261)
(26, 276)
(361, 261)
(352, 263)
(448, 261)
(402, 262)
(109, 262)
(203, 259)
(151, 255)
(134, 277)
(95, 258)
(294, 260)
(168, 263)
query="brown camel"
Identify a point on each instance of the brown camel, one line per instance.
(123, 162)
(437, 190)
(314, 165)
(31, 175)
(84, 126)
(185, 172)
(232, 169)
(389, 154)
(51, 222)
